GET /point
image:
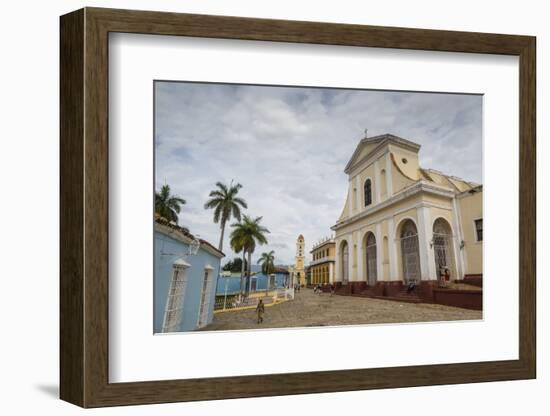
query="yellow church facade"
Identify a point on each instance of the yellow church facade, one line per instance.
(323, 259)
(405, 226)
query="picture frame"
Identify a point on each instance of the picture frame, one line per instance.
(84, 216)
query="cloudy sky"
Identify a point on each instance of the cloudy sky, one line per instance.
(288, 148)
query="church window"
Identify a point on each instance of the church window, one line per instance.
(479, 229)
(368, 192)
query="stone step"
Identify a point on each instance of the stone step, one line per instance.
(363, 294)
(398, 298)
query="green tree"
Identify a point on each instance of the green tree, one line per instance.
(228, 266)
(237, 244)
(238, 264)
(167, 205)
(226, 204)
(234, 265)
(267, 260)
(244, 237)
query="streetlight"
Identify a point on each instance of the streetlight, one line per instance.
(194, 247)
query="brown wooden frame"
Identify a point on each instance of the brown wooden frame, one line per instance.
(84, 207)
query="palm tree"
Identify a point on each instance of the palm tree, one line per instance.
(166, 205)
(225, 203)
(244, 237)
(237, 244)
(267, 260)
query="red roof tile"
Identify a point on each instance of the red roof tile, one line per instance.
(185, 231)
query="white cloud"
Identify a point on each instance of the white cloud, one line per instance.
(288, 148)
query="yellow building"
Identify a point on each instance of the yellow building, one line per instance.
(297, 272)
(323, 257)
(403, 224)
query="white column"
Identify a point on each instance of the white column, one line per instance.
(379, 252)
(425, 234)
(350, 198)
(357, 193)
(457, 239)
(392, 249)
(350, 257)
(338, 263)
(360, 254)
(389, 180)
(376, 182)
(331, 272)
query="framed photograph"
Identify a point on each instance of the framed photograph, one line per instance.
(254, 207)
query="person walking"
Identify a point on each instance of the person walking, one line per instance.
(447, 276)
(260, 309)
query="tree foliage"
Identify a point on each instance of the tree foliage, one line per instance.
(167, 205)
(226, 205)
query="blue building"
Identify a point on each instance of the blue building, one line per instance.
(185, 276)
(231, 283)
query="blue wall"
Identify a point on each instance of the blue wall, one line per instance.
(195, 274)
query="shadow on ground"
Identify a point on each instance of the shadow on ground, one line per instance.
(51, 390)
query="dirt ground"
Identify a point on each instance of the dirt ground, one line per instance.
(310, 309)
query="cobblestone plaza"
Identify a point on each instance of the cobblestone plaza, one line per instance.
(311, 309)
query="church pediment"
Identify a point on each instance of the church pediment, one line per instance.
(369, 145)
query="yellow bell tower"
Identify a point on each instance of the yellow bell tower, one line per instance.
(299, 264)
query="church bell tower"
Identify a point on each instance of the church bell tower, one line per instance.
(299, 264)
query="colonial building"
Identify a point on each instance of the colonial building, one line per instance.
(321, 267)
(185, 275)
(403, 225)
(297, 271)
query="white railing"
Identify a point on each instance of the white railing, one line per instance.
(236, 301)
(283, 294)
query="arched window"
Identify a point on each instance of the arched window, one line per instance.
(173, 312)
(368, 192)
(208, 285)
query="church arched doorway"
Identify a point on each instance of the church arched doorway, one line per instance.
(370, 248)
(410, 255)
(443, 250)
